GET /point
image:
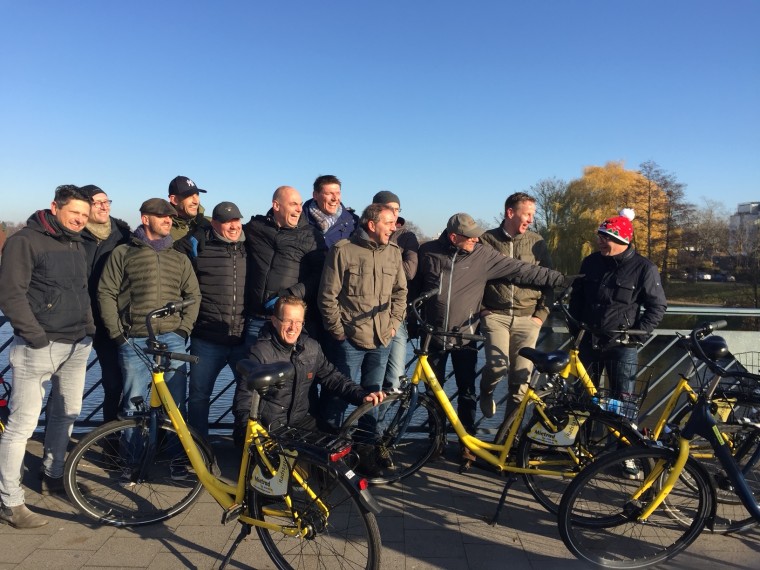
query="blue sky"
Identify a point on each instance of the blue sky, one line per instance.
(452, 105)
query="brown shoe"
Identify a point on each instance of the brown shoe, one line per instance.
(21, 517)
(467, 455)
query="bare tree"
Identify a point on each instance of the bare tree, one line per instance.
(549, 194)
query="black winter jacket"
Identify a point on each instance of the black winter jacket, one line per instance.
(97, 252)
(613, 291)
(461, 279)
(221, 270)
(294, 401)
(43, 283)
(282, 261)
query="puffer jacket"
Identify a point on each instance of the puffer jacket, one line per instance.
(220, 267)
(362, 295)
(43, 283)
(505, 297)
(297, 399)
(342, 229)
(282, 261)
(138, 279)
(613, 291)
(461, 278)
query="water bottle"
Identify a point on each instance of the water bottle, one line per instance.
(611, 405)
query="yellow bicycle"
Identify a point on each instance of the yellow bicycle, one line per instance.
(295, 488)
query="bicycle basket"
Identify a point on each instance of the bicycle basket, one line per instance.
(625, 402)
(745, 390)
(320, 446)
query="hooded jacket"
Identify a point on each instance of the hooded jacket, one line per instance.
(362, 295)
(461, 278)
(296, 399)
(613, 291)
(43, 283)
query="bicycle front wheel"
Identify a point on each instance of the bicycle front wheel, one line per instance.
(590, 433)
(743, 439)
(117, 477)
(394, 439)
(598, 516)
(340, 532)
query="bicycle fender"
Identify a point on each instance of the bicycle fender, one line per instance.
(366, 498)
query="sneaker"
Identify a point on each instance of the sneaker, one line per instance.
(179, 473)
(384, 459)
(52, 485)
(630, 469)
(487, 404)
(126, 480)
(21, 517)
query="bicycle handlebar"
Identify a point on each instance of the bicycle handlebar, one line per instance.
(430, 329)
(174, 355)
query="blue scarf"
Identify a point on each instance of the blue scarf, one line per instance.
(159, 244)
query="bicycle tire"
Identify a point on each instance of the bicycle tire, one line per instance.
(347, 537)
(597, 520)
(405, 452)
(93, 475)
(730, 513)
(596, 436)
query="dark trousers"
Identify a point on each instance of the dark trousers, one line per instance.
(112, 380)
(464, 361)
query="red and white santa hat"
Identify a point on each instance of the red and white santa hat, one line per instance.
(619, 227)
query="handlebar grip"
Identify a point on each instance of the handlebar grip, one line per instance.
(425, 296)
(174, 355)
(475, 337)
(178, 305)
(719, 324)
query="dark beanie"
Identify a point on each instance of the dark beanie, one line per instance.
(384, 197)
(91, 190)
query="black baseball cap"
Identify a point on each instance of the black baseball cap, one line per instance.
(182, 186)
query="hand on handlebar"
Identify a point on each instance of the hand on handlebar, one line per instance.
(375, 397)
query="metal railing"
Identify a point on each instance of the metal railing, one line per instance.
(659, 355)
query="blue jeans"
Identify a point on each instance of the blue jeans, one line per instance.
(366, 365)
(61, 368)
(137, 374)
(213, 358)
(137, 379)
(621, 363)
(396, 358)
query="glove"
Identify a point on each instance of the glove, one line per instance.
(182, 333)
(269, 305)
(570, 279)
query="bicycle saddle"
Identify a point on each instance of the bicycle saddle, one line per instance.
(549, 362)
(260, 377)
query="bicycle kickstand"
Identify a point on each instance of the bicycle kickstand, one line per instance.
(510, 481)
(245, 530)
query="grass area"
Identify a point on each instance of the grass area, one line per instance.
(707, 293)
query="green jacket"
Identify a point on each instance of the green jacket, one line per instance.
(138, 279)
(362, 295)
(502, 296)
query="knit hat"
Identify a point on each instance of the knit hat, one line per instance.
(385, 197)
(91, 190)
(619, 227)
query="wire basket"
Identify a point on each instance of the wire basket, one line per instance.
(743, 390)
(625, 402)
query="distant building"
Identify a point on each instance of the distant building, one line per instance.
(743, 229)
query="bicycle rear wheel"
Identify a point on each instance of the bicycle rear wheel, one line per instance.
(730, 513)
(598, 518)
(595, 434)
(108, 486)
(389, 447)
(343, 534)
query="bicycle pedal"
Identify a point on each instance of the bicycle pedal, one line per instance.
(465, 466)
(231, 513)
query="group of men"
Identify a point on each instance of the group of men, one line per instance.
(310, 282)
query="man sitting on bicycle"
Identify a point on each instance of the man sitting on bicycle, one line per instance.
(295, 404)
